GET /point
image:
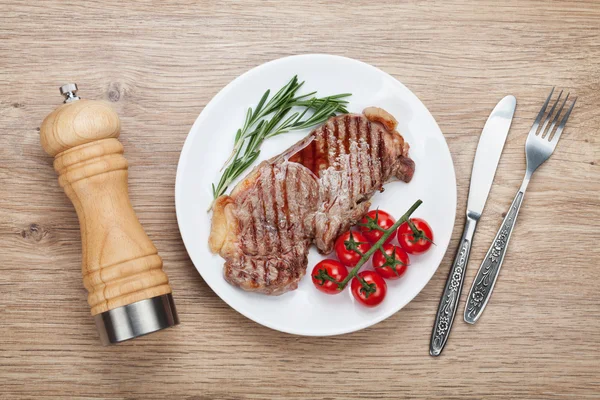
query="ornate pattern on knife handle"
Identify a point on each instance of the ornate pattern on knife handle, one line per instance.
(484, 281)
(451, 296)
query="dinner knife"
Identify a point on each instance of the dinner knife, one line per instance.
(487, 156)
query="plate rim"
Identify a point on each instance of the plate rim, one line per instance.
(186, 148)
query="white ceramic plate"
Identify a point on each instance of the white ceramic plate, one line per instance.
(306, 311)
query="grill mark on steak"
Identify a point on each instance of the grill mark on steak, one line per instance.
(299, 185)
(314, 168)
(346, 156)
(363, 129)
(283, 215)
(321, 155)
(337, 140)
(375, 144)
(286, 206)
(364, 153)
(334, 150)
(346, 138)
(326, 145)
(339, 135)
(251, 243)
(359, 134)
(342, 156)
(273, 212)
(254, 273)
(310, 193)
(352, 157)
(380, 157)
(369, 158)
(263, 242)
(295, 224)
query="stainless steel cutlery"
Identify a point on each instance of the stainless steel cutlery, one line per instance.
(541, 142)
(540, 145)
(487, 156)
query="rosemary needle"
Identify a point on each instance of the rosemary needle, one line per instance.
(270, 118)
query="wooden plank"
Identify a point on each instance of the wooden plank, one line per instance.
(161, 62)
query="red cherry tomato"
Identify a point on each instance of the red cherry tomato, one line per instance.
(346, 246)
(374, 292)
(392, 264)
(380, 218)
(331, 268)
(415, 243)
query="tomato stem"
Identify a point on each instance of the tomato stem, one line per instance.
(417, 234)
(322, 276)
(372, 223)
(390, 261)
(378, 245)
(367, 288)
(353, 245)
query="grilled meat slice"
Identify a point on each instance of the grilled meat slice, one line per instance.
(266, 227)
(310, 193)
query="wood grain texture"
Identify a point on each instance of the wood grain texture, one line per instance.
(159, 63)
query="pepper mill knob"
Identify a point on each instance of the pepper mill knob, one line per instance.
(69, 91)
(129, 293)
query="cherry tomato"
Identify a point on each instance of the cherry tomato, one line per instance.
(415, 243)
(380, 218)
(331, 268)
(392, 264)
(375, 291)
(346, 246)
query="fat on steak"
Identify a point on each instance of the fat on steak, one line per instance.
(311, 193)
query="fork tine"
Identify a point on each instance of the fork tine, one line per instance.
(547, 119)
(556, 117)
(562, 124)
(535, 125)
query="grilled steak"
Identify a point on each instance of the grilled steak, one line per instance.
(312, 192)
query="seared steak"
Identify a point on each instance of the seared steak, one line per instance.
(312, 192)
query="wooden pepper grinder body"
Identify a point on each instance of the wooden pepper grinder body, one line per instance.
(129, 293)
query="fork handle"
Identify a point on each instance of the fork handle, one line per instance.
(451, 295)
(488, 272)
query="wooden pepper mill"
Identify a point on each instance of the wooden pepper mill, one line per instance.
(129, 293)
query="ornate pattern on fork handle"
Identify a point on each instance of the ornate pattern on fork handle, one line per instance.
(484, 281)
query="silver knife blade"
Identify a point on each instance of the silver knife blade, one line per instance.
(489, 149)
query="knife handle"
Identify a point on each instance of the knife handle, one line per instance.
(484, 281)
(451, 296)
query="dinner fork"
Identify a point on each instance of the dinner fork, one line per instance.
(539, 146)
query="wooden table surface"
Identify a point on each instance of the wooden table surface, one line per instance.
(159, 63)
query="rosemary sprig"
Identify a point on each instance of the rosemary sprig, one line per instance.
(270, 118)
